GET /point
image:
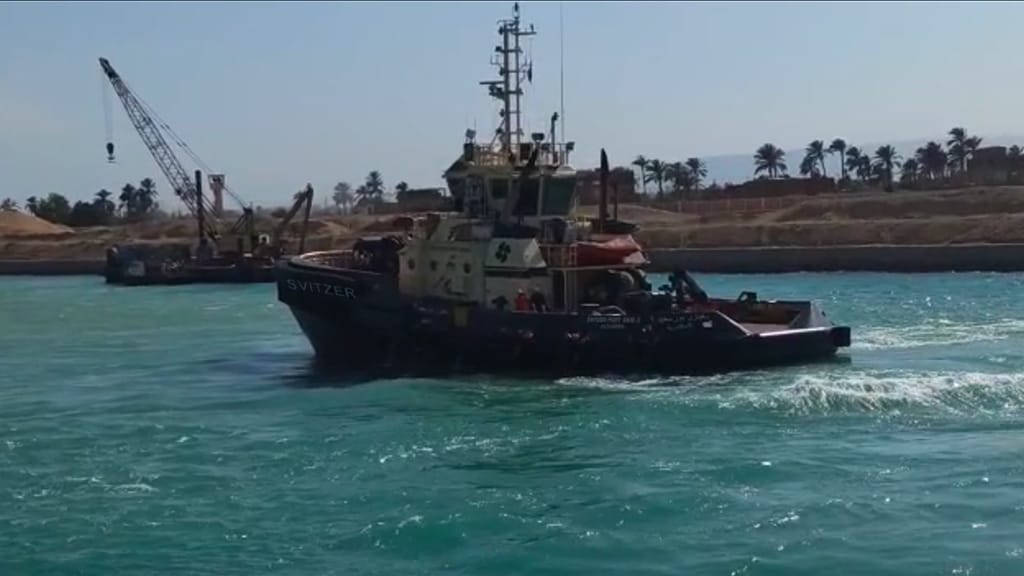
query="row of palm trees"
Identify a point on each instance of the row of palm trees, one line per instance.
(370, 191)
(930, 161)
(770, 160)
(684, 177)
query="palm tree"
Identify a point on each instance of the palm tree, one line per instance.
(129, 201)
(909, 172)
(698, 171)
(863, 167)
(401, 187)
(957, 150)
(809, 166)
(839, 147)
(1013, 152)
(961, 147)
(103, 202)
(886, 159)
(642, 163)
(658, 172)
(32, 204)
(342, 195)
(769, 158)
(852, 159)
(375, 184)
(146, 195)
(682, 177)
(674, 175)
(8, 205)
(816, 151)
(932, 160)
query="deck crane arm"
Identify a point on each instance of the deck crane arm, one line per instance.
(177, 176)
(302, 198)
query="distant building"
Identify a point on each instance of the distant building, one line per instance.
(588, 185)
(421, 199)
(991, 165)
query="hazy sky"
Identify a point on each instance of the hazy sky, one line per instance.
(277, 95)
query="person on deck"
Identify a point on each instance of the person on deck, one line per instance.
(500, 303)
(522, 302)
(538, 301)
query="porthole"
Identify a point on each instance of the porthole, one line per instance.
(466, 268)
(411, 262)
(433, 265)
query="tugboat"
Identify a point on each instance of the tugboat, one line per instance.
(513, 280)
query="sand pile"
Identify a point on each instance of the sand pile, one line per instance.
(20, 224)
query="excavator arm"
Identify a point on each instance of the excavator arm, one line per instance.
(303, 198)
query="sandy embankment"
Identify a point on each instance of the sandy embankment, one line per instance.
(967, 216)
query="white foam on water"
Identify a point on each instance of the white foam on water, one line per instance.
(831, 390)
(417, 519)
(935, 333)
(627, 385)
(134, 488)
(958, 392)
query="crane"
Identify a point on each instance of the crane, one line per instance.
(141, 116)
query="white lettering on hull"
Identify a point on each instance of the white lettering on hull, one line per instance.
(321, 288)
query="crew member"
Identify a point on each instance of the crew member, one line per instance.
(522, 302)
(538, 301)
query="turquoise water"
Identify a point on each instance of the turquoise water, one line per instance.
(184, 430)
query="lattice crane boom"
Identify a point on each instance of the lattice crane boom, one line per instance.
(181, 182)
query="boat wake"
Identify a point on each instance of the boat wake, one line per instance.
(963, 393)
(936, 333)
(835, 391)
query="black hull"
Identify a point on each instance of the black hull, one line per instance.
(347, 348)
(356, 320)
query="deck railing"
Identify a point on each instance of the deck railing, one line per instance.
(330, 258)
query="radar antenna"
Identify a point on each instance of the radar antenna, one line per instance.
(513, 68)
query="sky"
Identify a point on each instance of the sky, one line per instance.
(276, 95)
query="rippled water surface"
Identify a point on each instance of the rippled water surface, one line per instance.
(184, 430)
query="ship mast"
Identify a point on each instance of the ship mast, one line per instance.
(512, 69)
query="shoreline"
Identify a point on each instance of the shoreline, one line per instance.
(905, 259)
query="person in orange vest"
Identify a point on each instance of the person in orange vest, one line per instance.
(522, 302)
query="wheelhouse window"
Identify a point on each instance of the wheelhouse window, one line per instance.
(457, 189)
(558, 195)
(529, 193)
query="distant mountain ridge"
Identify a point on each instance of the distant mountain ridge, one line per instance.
(737, 168)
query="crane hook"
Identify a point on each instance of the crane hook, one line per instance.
(110, 152)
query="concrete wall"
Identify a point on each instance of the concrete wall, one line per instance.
(949, 258)
(51, 267)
